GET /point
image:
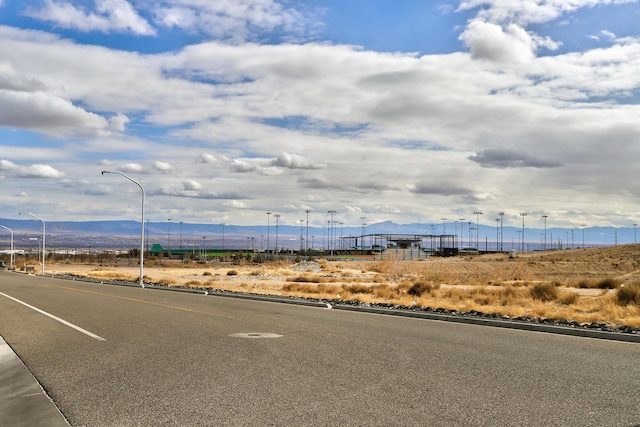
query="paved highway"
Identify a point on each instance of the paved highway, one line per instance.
(127, 356)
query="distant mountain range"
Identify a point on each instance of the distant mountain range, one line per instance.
(124, 234)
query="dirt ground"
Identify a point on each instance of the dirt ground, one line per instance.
(578, 272)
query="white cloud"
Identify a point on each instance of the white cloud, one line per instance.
(162, 167)
(491, 41)
(235, 20)
(33, 171)
(132, 167)
(46, 113)
(293, 161)
(191, 185)
(109, 16)
(527, 12)
(118, 122)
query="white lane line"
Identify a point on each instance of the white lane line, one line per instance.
(64, 322)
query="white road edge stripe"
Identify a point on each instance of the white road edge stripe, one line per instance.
(64, 322)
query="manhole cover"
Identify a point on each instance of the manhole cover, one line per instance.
(255, 335)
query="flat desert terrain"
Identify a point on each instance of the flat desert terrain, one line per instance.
(583, 285)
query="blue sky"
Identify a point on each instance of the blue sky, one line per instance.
(406, 110)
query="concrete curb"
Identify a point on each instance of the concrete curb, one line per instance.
(23, 401)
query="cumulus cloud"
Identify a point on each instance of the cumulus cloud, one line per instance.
(492, 42)
(109, 16)
(162, 167)
(46, 113)
(293, 161)
(235, 20)
(33, 171)
(118, 122)
(132, 167)
(191, 185)
(526, 12)
(11, 79)
(507, 158)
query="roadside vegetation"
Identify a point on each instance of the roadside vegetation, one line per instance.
(584, 285)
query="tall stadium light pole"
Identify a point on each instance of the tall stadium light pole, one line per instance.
(497, 234)
(301, 240)
(501, 231)
(268, 216)
(523, 214)
(44, 234)
(583, 226)
(364, 224)
(331, 238)
(443, 228)
(141, 223)
(169, 238)
(545, 231)
(306, 245)
(277, 217)
(12, 255)
(455, 229)
(477, 214)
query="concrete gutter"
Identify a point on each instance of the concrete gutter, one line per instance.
(23, 401)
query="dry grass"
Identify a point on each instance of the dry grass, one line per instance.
(585, 285)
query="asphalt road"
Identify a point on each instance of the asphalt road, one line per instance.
(171, 359)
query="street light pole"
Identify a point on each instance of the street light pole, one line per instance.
(141, 223)
(43, 235)
(583, 226)
(12, 255)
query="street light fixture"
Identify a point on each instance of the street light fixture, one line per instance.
(12, 255)
(141, 223)
(43, 235)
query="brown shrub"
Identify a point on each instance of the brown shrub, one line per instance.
(608, 283)
(569, 298)
(232, 273)
(628, 294)
(420, 288)
(358, 289)
(544, 291)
